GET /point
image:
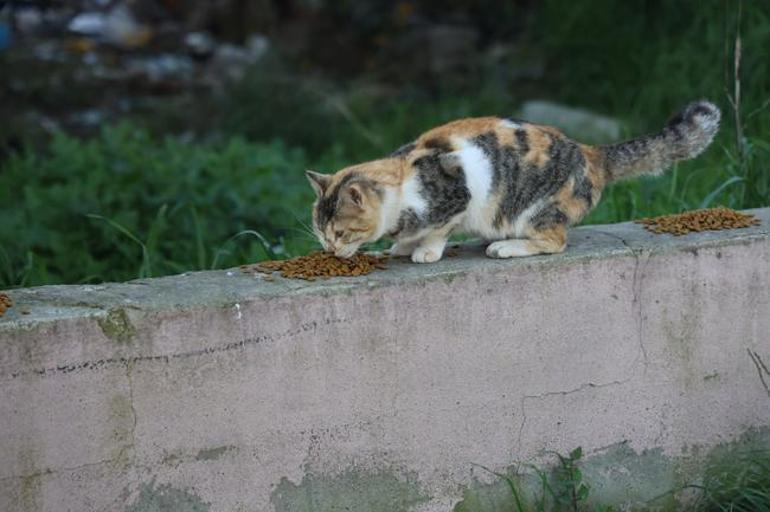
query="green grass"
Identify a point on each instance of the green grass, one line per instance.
(134, 202)
(738, 482)
(730, 481)
(124, 205)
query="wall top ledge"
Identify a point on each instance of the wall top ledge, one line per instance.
(193, 290)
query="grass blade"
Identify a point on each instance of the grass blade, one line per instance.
(511, 486)
(144, 268)
(714, 193)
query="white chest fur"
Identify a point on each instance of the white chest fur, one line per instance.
(477, 168)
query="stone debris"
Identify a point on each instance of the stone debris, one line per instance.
(5, 303)
(582, 124)
(320, 264)
(118, 26)
(709, 219)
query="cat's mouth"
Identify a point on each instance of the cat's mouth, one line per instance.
(346, 252)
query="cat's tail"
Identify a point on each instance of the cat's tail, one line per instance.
(685, 136)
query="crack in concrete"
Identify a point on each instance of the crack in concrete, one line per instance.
(119, 459)
(129, 376)
(636, 287)
(166, 358)
(762, 369)
(49, 471)
(587, 385)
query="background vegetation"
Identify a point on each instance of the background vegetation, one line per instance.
(214, 181)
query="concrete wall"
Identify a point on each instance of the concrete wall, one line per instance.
(225, 392)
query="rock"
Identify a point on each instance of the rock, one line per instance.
(443, 48)
(159, 68)
(117, 26)
(582, 124)
(88, 118)
(88, 23)
(200, 44)
(510, 62)
(230, 61)
(438, 54)
(28, 20)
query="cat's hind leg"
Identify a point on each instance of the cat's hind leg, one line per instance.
(546, 241)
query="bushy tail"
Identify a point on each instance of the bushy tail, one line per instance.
(685, 136)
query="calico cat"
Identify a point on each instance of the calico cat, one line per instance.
(516, 184)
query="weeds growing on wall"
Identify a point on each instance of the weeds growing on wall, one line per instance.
(735, 481)
(738, 482)
(561, 487)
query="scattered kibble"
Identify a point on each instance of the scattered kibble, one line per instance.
(5, 303)
(710, 219)
(319, 264)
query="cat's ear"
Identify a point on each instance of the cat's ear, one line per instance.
(319, 182)
(356, 194)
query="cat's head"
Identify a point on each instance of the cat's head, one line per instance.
(346, 213)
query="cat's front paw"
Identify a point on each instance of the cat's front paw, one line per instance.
(425, 255)
(508, 249)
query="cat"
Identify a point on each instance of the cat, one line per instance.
(516, 184)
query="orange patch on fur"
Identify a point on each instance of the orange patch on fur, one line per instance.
(463, 128)
(550, 129)
(595, 167)
(573, 207)
(539, 142)
(506, 135)
(551, 240)
(387, 171)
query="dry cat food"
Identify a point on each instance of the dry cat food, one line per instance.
(712, 219)
(320, 264)
(5, 303)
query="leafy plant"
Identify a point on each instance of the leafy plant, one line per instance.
(126, 205)
(562, 487)
(739, 482)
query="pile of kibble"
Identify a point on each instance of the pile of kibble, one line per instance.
(320, 264)
(5, 303)
(710, 219)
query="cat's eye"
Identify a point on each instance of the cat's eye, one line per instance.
(338, 234)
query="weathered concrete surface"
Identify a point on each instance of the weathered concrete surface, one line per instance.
(222, 391)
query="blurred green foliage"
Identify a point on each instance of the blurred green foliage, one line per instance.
(124, 205)
(640, 61)
(132, 203)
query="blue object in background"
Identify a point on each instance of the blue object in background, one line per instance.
(5, 36)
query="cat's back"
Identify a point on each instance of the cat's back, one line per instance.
(490, 133)
(508, 166)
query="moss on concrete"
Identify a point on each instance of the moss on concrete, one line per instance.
(353, 490)
(117, 326)
(30, 496)
(491, 497)
(213, 453)
(620, 477)
(164, 498)
(119, 437)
